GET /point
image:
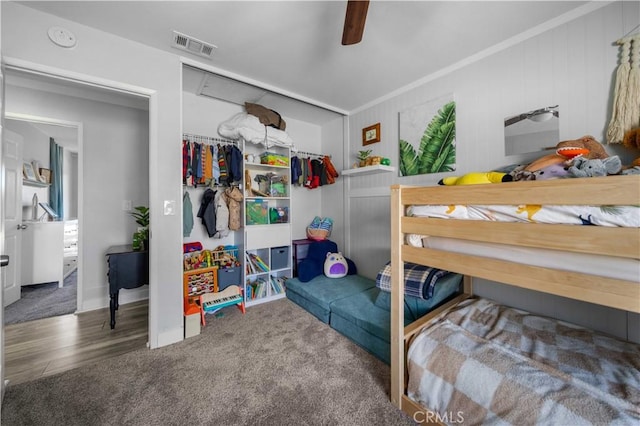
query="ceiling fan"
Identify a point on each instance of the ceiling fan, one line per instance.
(354, 21)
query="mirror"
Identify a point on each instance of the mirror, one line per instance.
(532, 131)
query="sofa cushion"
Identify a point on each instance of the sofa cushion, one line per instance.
(361, 310)
(369, 342)
(317, 295)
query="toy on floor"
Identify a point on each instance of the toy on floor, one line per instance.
(335, 265)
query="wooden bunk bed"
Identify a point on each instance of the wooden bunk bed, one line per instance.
(596, 240)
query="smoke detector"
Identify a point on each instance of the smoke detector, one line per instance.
(62, 37)
(192, 45)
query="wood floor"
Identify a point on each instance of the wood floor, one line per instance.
(49, 346)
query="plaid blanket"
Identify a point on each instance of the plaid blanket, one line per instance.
(487, 364)
(419, 280)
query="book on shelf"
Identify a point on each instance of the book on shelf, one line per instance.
(258, 289)
(277, 285)
(255, 264)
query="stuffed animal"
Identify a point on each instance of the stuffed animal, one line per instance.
(583, 167)
(476, 178)
(546, 161)
(335, 265)
(631, 140)
(586, 146)
(553, 171)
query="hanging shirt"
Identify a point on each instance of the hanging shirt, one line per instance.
(215, 167)
(222, 162)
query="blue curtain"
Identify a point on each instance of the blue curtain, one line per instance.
(55, 190)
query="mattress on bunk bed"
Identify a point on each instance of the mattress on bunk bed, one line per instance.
(601, 265)
(493, 364)
(607, 266)
(622, 216)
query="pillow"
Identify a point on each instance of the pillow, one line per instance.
(313, 265)
(335, 265)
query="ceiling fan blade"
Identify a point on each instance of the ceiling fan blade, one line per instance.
(354, 21)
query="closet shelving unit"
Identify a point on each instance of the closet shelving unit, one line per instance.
(208, 278)
(267, 223)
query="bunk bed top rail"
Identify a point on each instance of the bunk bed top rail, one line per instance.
(606, 190)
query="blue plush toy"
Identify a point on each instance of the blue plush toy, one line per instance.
(335, 265)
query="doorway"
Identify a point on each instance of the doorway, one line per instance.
(49, 252)
(90, 108)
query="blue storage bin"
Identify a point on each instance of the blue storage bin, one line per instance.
(279, 257)
(229, 276)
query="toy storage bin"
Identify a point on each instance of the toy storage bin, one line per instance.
(278, 214)
(274, 159)
(257, 212)
(279, 257)
(229, 276)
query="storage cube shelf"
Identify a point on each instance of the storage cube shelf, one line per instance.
(267, 236)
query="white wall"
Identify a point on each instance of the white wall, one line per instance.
(115, 155)
(572, 65)
(110, 60)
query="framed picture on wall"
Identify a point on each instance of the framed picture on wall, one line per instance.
(45, 175)
(371, 134)
(27, 171)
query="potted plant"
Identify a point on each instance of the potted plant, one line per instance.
(141, 236)
(363, 155)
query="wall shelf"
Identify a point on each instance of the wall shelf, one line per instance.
(35, 183)
(368, 170)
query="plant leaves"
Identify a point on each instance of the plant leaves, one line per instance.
(437, 151)
(408, 159)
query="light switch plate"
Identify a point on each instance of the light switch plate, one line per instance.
(169, 207)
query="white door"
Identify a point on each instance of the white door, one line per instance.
(12, 178)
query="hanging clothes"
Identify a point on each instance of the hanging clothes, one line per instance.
(235, 164)
(296, 170)
(187, 215)
(187, 171)
(318, 178)
(222, 215)
(332, 173)
(215, 166)
(234, 201)
(222, 163)
(207, 211)
(207, 174)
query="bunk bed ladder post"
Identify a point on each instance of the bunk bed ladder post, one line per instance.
(397, 300)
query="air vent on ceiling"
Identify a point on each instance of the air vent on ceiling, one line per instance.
(192, 45)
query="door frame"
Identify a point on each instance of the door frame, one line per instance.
(152, 95)
(79, 136)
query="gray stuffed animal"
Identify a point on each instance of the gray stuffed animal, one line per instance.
(583, 167)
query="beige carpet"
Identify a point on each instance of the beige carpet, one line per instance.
(276, 365)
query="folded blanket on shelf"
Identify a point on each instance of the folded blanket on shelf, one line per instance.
(419, 280)
(249, 128)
